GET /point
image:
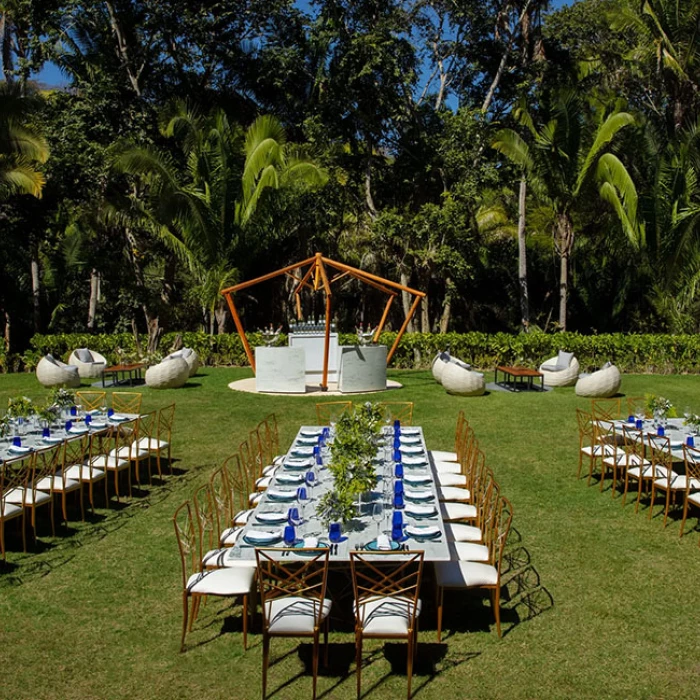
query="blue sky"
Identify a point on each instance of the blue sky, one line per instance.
(52, 76)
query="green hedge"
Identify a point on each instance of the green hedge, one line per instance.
(631, 353)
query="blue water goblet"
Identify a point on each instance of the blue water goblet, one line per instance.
(88, 419)
(398, 486)
(17, 441)
(630, 418)
(398, 501)
(398, 470)
(639, 424)
(661, 431)
(74, 411)
(334, 532)
(45, 433)
(69, 425)
(690, 441)
(397, 533)
(397, 456)
(110, 412)
(290, 535)
(397, 443)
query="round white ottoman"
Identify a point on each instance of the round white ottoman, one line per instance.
(461, 381)
(168, 375)
(601, 384)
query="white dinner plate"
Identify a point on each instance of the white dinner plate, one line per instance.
(303, 451)
(410, 440)
(411, 450)
(416, 511)
(423, 532)
(417, 479)
(261, 537)
(271, 518)
(312, 432)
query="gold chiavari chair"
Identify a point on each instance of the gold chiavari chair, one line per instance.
(91, 400)
(387, 603)
(669, 482)
(127, 401)
(196, 584)
(481, 550)
(463, 575)
(134, 445)
(637, 407)
(447, 456)
(71, 451)
(459, 477)
(474, 532)
(293, 600)
(230, 487)
(161, 441)
(273, 427)
(399, 410)
(691, 457)
(212, 556)
(107, 457)
(606, 433)
(9, 511)
(457, 487)
(589, 445)
(78, 465)
(459, 511)
(29, 471)
(464, 442)
(330, 411)
(635, 465)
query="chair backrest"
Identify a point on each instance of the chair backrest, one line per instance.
(75, 451)
(222, 495)
(47, 461)
(91, 400)
(261, 439)
(660, 453)
(691, 457)
(166, 417)
(384, 575)
(284, 578)
(127, 401)
(206, 518)
(637, 406)
(273, 429)
(605, 431)
(503, 523)
(585, 428)
(187, 541)
(399, 410)
(606, 409)
(633, 440)
(147, 425)
(330, 411)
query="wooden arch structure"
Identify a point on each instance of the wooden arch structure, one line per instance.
(316, 277)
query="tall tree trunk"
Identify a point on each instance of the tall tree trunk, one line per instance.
(564, 244)
(425, 315)
(36, 283)
(522, 259)
(133, 73)
(6, 334)
(406, 300)
(563, 289)
(446, 305)
(369, 200)
(94, 297)
(221, 313)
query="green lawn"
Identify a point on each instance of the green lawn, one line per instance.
(602, 602)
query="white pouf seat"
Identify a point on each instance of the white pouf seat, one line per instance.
(189, 356)
(601, 384)
(171, 374)
(441, 361)
(561, 370)
(53, 372)
(459, 380)
(90, 364)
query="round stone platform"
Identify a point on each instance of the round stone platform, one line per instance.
(248, 385)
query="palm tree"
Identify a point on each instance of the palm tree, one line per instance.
(200, 211)
(559, 161)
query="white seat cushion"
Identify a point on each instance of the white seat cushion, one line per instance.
(57, 484)
(82, 472)
(624, 460)
(603, 450)
(263, 482)
(152, 445)
(459, 532)
(679, 482)
(236, 581)
(27, 497)
(385, 616)
(448, 467)
(295, 614)
(443, 456)
(132, 451)
(10, 510)
(242, 517)
(270, 469)
(465, 574)
(254, 498)
(447, 479)
(218, 559)
(656, 471)
(453, 493)
(230, 536)
(694, 498)
(458, 511)
(471, 551)
(110, 462)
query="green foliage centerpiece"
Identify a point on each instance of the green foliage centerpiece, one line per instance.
(352, 453)
(659, 407)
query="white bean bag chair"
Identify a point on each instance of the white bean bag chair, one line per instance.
(53, 372)
(601, 384)
(189, 356)
(459, 379)
(170, 374)
(439, 364)
(561, 370)
(90, 364)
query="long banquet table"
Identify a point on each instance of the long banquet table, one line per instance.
(362, 530)
(675, 431)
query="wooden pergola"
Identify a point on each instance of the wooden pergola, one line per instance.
(316, 278)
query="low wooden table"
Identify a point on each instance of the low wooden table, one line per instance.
(128, 373)
(519, 378)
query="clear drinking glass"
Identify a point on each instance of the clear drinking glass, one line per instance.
(378, 515)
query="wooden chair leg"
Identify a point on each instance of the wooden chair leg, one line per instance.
(185, 604)
(245, 623)
(314, 667)
(358, 663)
(409, 662)
(266, 660)
(496, 600)
(668, 503)
(441, 595)
(325, 642)
(685, 515)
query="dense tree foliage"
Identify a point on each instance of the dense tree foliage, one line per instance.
(524, 167)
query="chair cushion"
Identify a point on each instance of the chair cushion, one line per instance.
(218, 559)
(465, 574)
(458, 511)
(263, 482)
(694, 498)
(448, 467)
(56, 483)
(564, 359)
(230, 536)
(679, 482)
(471, 551)
(460, 532)
(110, 462)
(27, 497)
(236, 581)
(453, 493)
(270, 469)
(84, 355)
(254, 498)
(385, 616)
(151, 444)
(82, 472)
(604, 450)
(656, 471)
(442, 456)
(10, 510)
(131, 452)
(294, 614)
(242, 517)
(447, 479)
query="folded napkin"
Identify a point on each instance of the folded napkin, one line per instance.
(293, 463)
(98, 425)
(289, 478)
(119, 418)
(416, 478)
(300, 450)
(383, 542)
(261, 536)
(419, 494)
(79, 429)
(423, 531)
(281, 493)
(271, 517)
(52, 440)
(310, 542)
(410, 431)
(307, 440)
(20, 450)
(409, 440)
(421, 511)
(409, 460)
(411, 449)
(311, 432)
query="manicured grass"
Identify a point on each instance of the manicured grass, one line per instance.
(602, 602)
